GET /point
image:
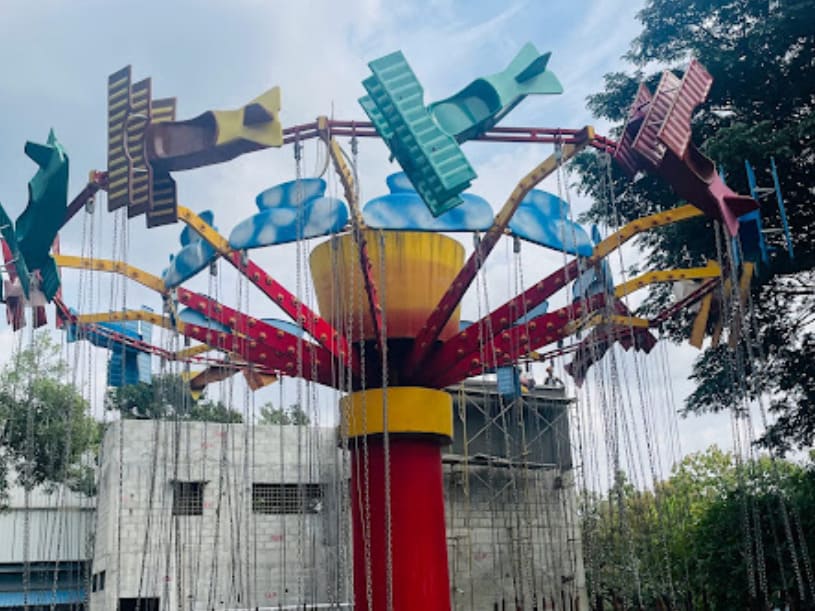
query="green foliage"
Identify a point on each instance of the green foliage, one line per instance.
(761, 105)
(687, 543)
(269, 414)
(46, 428)
(214, 411)
(167, 396)
(795, 387)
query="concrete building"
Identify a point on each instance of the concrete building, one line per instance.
(513, 534)
(45, 549)
(202, 516)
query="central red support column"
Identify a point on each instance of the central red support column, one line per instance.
(418, 541)
(418, 268)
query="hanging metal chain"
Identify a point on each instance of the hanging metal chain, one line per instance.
(383, 348)
(342, 467)
(28, 470)
(515, 287)
(737, 324)
(365, 510)
(650, 435)
(497, 557)
(300, 292)
(77, 364)
(735, 425)
(756, 353)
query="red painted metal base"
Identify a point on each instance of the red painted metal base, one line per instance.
(420, 579)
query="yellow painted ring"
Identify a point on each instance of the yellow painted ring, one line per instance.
(410, 410)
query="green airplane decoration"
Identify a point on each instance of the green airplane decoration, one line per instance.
(425, 140)
(29, 240)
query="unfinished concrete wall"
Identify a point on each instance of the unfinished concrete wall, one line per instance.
(513, 533)
(513, 537)
(234, 554)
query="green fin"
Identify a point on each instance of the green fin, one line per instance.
(534, 68)
(39, 153)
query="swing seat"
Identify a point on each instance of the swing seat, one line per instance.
(751, 235)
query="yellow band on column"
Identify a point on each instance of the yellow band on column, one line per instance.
(410, 410)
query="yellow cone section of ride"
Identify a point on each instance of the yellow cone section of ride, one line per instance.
(417, 267)
(411, 410)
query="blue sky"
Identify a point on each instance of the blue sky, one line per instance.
(56, 56)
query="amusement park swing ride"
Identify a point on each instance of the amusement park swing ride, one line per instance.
(389, 279)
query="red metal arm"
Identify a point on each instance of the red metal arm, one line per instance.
(263, 344)
(319, 328)
(267, 355)
(427, 336)
(97, 181)
(313, 323)
(504, 316)
(512, 343)
(695, 296)
(467, 342)
(131, 342)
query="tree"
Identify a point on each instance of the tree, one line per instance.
(47, 431)
(622, 546)
(762, 519)
(269, 414)
(761, 105)
(703, 534)
(167, 396)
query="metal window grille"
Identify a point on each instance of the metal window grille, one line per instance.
(188, 498)
(286, 498)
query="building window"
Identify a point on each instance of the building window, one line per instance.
(139, 604)
(286, 498)
(188, 498)
(101, 580)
